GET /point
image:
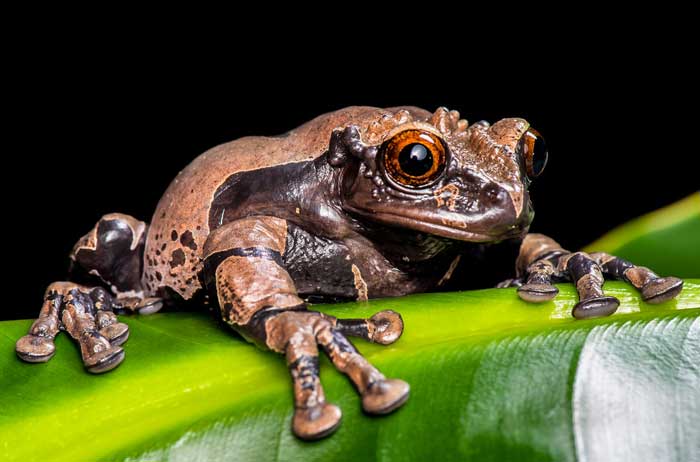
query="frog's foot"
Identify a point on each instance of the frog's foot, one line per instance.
(85, 313)
(298, 334)
(546, 262)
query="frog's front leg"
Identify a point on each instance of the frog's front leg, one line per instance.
(542, 261)
(258, 298)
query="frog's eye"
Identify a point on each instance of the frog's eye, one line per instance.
(414, 158)
(533, 149)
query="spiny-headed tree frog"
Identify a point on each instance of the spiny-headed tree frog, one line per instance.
(356, 204)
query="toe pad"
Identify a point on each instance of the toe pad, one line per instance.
(661, 290)
(384, 396)
(316, 422)
(35, 349)
(537, 293)
(105, 360)
(388, 327)
(117, 333)
(595, 307)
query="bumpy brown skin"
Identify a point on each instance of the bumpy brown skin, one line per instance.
(261, 225)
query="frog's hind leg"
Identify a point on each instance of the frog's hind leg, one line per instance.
(86, 314)
(113, 251)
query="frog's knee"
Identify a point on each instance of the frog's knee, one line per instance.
(112, 251)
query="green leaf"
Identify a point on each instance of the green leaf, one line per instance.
(492, 377)
(667, 240)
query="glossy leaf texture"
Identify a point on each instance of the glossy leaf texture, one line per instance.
(493, 378)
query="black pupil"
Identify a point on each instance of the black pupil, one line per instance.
(415, 159)
(539, 156)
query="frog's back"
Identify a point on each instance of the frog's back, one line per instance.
(180, 225)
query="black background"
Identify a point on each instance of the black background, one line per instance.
(92, 134)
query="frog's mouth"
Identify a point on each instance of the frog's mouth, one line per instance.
(450, 229)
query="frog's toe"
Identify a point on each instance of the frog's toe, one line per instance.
(109, 327)
(316, 422)
(595, 307)
(35, 348)
(383, 396)
(105, 360)
(537, 293)
(379, 394)
(117, 333)
(654, 289)
(150, 305)
(538, 286)
(386, 327)
(661, 289)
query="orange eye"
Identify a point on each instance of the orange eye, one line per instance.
(414, 158)
(534, 150)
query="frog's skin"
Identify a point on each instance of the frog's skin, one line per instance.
(259, 225)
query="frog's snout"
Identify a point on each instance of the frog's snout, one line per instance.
(511, 211)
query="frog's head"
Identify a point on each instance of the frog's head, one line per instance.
(438, 175)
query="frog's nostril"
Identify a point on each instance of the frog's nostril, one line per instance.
(492, 194)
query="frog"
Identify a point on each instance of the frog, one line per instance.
(356, 204)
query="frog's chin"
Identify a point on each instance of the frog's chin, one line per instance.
(443, 230)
